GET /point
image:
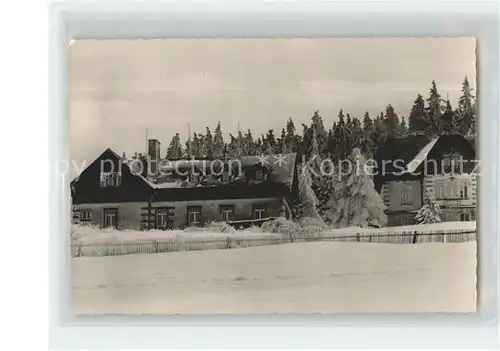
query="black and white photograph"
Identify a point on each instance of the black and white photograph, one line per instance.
(273, 175)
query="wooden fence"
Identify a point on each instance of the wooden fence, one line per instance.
(187, 243)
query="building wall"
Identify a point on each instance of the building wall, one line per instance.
(243, 209)
(452, 209)
(469, 179)
(393, 199)
(129, 213)
(401, 218)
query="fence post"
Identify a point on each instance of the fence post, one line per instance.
(415, 235)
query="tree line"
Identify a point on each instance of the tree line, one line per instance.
(430, 116)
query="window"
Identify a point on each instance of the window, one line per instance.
(164, 218)
(194, 215)
(464, 217)
(111, 179)
(463, 192)
(85, 215)
(405, 194)
(225, 176)
(259, 213)
(110, 217)
(439, 189)
(453, 159)
(259, 175)
(454, 188)
(227, 213)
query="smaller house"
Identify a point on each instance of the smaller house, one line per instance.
(443, 169)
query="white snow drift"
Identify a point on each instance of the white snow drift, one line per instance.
(319, 277)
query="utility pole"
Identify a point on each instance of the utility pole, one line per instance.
(189, 139)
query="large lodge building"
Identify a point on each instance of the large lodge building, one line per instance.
(154, 193)
(161, 194)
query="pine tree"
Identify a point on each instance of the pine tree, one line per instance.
(392, 124)
(356, 202)
(357, 131)
(272, 145)
(313, 155)
(321, 133)
(434, 111)
(284, 146)
(306, 140)
(195, 146)
(308, 199)
(292, 140)
(348, 121)
(218, 148)
(402, 127)
(367, 124)
(466, 110)
(240, 141)
(258, 147)
(343, 139)
(362, 139)
(379, 135)
(174, 151)
(418, 116)
(430, 212)
(447, 118)
(202, 146)
(251, 148)
(209, 144)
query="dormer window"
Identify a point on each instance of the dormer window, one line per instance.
(112, 179)
(452, 159)
(226, 176)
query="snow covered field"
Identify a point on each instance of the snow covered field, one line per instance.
(311, 277)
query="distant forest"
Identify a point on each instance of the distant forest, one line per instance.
(431, 116)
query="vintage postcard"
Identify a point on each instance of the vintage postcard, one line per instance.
(243, 176)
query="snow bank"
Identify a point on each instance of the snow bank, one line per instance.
(319, 277)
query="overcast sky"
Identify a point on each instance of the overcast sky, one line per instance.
(118, 88)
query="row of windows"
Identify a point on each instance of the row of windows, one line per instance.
(114, 179)
(226, 213)
(111, 179)
(164, 216)
(451, 189)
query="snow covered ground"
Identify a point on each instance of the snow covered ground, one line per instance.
(316, 277)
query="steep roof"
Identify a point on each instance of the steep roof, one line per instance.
(472, 140)
(400, 149)
(407, 153)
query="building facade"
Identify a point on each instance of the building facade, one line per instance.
(443, 169)
(160, 194)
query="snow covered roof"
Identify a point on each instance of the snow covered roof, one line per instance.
(406, 154)
(280, 167)
(421, 156)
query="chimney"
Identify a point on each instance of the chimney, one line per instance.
(153, 157)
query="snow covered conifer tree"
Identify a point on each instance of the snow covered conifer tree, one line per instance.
(355, 201)
(430, 212)
(308, 199)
